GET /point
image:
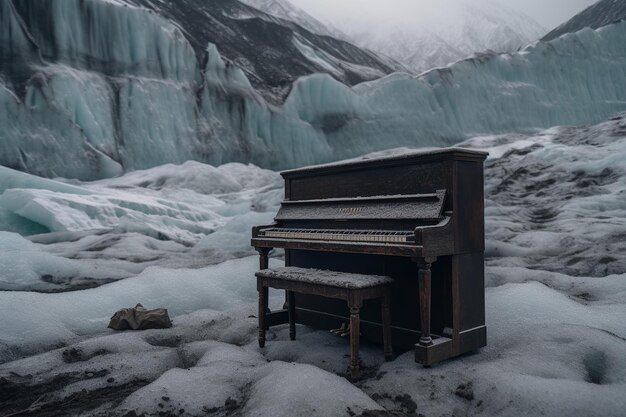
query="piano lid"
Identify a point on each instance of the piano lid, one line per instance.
(396, 207)
(414, 157)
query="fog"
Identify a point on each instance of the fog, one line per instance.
(549, 13)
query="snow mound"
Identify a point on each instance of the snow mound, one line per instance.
(547, 354)
(189, 215)
(40, 320)
(229, 379)
(556, 201)
(26, 266)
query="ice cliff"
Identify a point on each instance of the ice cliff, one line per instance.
(90, 89)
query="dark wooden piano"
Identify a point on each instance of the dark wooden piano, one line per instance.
(418, 218)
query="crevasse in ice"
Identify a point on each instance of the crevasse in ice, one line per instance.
(96, 88)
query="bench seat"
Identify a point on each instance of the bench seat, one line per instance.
(325, 277)
(353, 288)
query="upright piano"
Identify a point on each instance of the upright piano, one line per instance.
(418, 218)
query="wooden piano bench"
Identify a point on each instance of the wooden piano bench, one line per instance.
(353, 288)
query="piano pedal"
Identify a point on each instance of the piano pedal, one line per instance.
(347, 333)
(341, 329)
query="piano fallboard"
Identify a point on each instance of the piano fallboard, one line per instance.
(415, 207)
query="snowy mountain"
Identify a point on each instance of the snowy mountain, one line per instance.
(595, 16)
(285, 10)
(445, 32)
(177, 237)
(256, 41)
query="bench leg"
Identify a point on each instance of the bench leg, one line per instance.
(263, 293)
(291, 306)
(386, 321)
(355, 331)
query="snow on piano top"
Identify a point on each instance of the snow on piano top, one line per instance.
(425, 154)
(324, 277)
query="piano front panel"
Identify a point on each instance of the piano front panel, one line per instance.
(405, 292)
(383, 180)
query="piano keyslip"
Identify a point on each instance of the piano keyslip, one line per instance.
(340, 235)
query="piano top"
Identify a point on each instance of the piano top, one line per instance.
(432, 154)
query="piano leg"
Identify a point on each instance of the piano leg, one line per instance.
(263, 293)
(386, 322)
(291, 306)
(263, 257)
(424, 277)
(355, 332)
(264, 264)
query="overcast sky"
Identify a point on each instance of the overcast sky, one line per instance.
(549, 13)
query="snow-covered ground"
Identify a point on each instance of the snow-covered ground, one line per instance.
(177, 236)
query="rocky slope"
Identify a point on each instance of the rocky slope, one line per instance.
(595, 16)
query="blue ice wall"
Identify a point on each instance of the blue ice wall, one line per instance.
(92, 88)
(576, 79)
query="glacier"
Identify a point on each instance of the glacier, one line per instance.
(427, 36)
(91, 101)
(555, 289)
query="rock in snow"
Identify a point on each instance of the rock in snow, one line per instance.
(555, 297)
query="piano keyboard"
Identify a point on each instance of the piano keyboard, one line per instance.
(343, 235)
